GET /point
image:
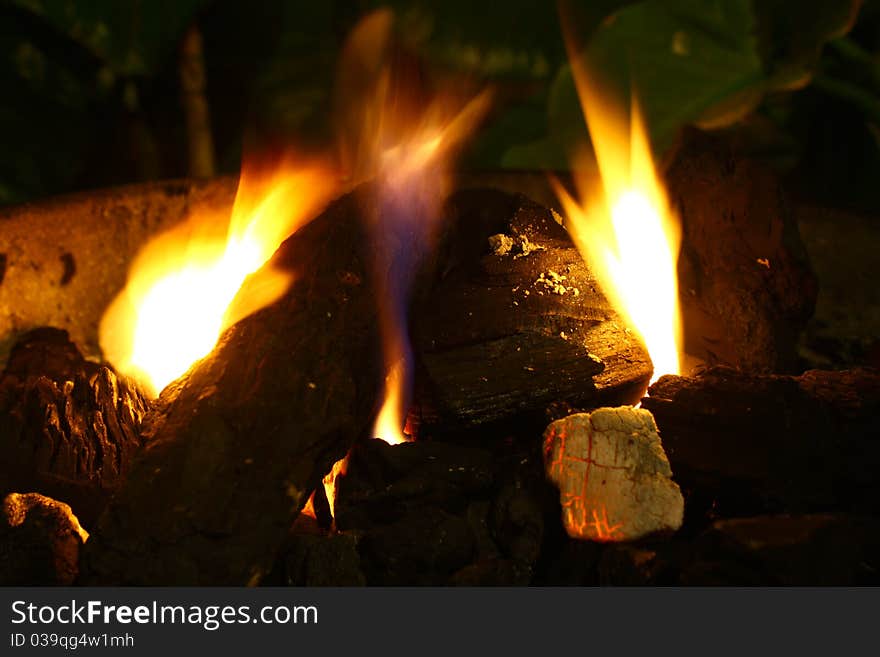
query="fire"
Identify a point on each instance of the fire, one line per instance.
(389, 424)
(180, 290)
(625, 227)
(404, 136)
(339, 469)
(583, 520)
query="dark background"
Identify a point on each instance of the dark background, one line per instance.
(91, 91)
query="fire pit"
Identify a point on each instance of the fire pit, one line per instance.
(358, 370)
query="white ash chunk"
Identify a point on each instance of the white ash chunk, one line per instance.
(555, 283)
(501, 244)
(518, 245)
(615, 482)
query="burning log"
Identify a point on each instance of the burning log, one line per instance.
(40, 541)
(746, 286)
(614, 480)
(517, 324)
(68, 427)
(767, 443)
(236, 445)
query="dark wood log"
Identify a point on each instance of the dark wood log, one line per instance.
(236, 445)
(747, 288)
(69, 427)
(507, 333)
(764, 443)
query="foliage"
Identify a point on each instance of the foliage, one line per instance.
(77, 72)
(67, 66)
(704, 62)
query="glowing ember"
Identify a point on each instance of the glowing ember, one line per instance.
(309, 508)
(180, 291)
(339, 469)
(625, 227)
(615, 482)
(405, 137)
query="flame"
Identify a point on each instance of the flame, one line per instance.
(389, 424)
(309, 508)
(394, 129)
(625, 227)
(339, 469)
(181, 287)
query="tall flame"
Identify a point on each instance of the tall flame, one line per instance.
(394, 129)
(624, 226)
(180, 290)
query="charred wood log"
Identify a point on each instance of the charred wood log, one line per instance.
(68, 427)
(747, 287)
(517, 323)
(235, 446)
(767, 443)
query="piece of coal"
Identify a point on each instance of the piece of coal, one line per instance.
(787, 550)
(40, 541)
(238, 443)
(494, 572)
(68, 427)
(439, 513)
(425, 547)
(314, 556)
(386, 482)
(750, 443)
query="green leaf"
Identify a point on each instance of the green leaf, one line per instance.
(706, 62)
(132, 37)
(513, 39)
(688, 62)
(792, 35)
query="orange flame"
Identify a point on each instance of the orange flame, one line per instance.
(625, 227)
(396, 130)
(309, 508)
(180, 290)
(339, 469)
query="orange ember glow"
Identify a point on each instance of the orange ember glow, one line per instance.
(309, 508)
(339, 469)
(624, 227)
(583, 515)
(180, 290)
(394, 130)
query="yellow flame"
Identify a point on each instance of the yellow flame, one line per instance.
(181, 288)
(624, 227)
(394, 129)
(339, 469)
(392, 416)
